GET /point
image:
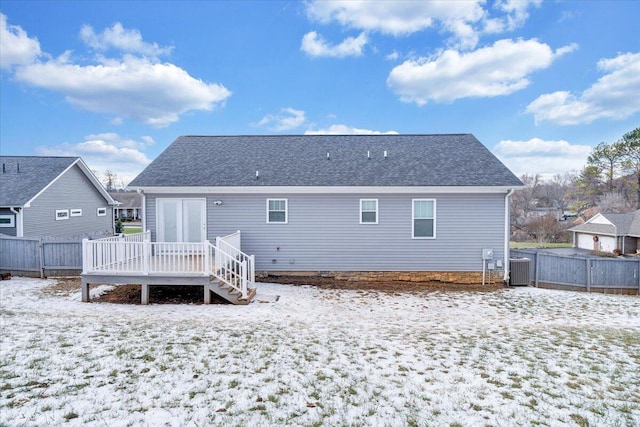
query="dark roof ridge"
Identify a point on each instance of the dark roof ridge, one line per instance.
(321, 135)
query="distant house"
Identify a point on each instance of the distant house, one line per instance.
(129, 207)
(52, 197)
(608, 231)
(427, 204)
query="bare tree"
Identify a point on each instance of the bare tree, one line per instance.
(613, 203)
(521, 200)
(110, 179)
(547, 229)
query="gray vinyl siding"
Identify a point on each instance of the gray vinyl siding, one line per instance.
(73, 190)
(324, 233)
(9, 231)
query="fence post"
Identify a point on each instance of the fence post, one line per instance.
(537, 267)
(588, 274)
(41, 257)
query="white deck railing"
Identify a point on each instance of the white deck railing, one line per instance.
(232, 245)
(135, 254)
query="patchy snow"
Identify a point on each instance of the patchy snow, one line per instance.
(321, 357)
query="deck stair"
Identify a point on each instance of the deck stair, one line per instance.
(228, 293)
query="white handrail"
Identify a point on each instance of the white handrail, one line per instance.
(230, 269)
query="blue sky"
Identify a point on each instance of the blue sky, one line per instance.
(538, 82)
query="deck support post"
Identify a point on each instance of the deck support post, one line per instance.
(144, 300)
(207, 294)
(85, 291)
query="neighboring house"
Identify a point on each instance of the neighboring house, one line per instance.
(342, 203)
(130, 205)
(52, 197)
(609, 231)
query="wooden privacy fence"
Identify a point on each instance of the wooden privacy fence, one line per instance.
(582, 271)
(40, 257)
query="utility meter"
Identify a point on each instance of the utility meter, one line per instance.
(487, 254)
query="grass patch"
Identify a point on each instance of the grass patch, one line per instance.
(537, 245)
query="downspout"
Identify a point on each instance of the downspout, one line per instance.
(19, 226)
(507, 236)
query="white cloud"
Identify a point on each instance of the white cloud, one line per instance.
(118, 37)
(516, 12)
(500, 69)
(613, 96)
(106, 151)
(347, 130)
(16, 47)
(544, 157)
(393, 17)
(288, 119)
(314, 45)
(464, 20)
(393, 56)
(133, 88)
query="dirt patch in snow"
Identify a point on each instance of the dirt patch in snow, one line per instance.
(131, 294)
(63, 286)
(382, 286)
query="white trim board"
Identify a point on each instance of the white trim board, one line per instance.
(325, 190)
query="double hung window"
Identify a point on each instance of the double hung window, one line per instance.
(277, 211)
(424, 219)
(368, 211)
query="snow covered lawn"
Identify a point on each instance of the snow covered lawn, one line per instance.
(321, 357)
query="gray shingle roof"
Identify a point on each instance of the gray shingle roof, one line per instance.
(127, 199)
(17, 188)
(627, 224)
(412, 160)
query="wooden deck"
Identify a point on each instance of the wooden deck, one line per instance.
(223, 268)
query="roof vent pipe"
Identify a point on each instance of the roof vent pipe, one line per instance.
(328, 156)
(3, 169)
(385, 154)
(368, 155)
(18, 167)
(257, 174)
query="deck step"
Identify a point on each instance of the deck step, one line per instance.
(227, 292)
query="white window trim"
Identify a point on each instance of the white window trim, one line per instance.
(76, 212)
(286, 211)
(65, 215)
(101, 212)
(12, 221)
(376, 211)
(413, 222)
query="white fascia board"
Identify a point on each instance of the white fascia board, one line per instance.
(325, 190)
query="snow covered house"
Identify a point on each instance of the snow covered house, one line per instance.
(609, 231)
(52, 197)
